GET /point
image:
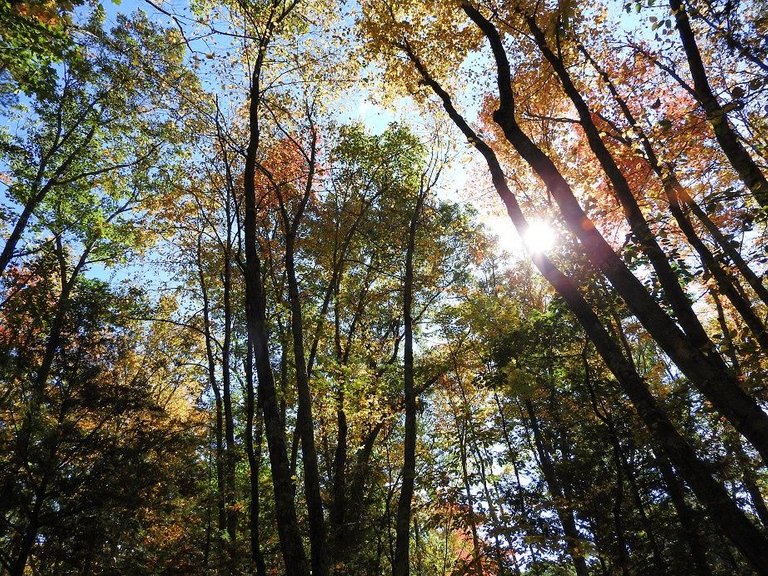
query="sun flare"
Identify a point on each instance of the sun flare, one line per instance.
(539, 237)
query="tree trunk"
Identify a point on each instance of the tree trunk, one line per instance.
(678, 198)
(339, 510)
(253, 432)
(673, 292)
(28, 539)
(401, 564)
(685, 515)
(40, 190)
(737, 155)
(462, 439)
(221, 487)
(230, 455)
(291, 546)
(304, 419)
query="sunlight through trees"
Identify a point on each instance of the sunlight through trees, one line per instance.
(413, 287)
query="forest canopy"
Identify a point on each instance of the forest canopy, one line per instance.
(429, 288)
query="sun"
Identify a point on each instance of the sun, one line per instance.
(539, 237)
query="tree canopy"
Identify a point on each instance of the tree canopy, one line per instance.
(258, 314)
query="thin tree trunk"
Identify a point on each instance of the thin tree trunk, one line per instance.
(618, 514)
(294, 558)
(659, 565)
(401, 564)
(678, 195)
(468, 435)
(28, 539)
(40, 190)
(357, 482)
(748, 477)
(339, 472)
(618, 519)
(339, 510)
(221, 488)
(304, 421)
(673, 292)
(462, 438)
(678, 198)
(230, 455)
(253, 432)
(623, 468)
(685, 515)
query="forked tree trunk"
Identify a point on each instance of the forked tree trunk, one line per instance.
(291, 546)
(304, 419)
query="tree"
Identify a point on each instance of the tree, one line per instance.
(85, 135)
(35, 36)
(88, 444)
